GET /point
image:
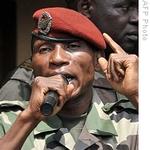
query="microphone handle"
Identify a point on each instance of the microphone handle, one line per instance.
(51, 99)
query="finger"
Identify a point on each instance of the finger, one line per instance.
(112, 74)
(115, 47)
(103, 64)
(70, 89)
(115, 67)
(120, 70)
(116, 72)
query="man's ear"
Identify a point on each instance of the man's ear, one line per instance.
(85, 7)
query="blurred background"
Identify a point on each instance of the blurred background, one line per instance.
(15, 31)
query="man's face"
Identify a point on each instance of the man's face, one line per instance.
(75, 60)
(118, 18)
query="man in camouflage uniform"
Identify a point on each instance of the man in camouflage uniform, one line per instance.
(63, 45)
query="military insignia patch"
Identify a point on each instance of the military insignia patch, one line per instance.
(44, 23)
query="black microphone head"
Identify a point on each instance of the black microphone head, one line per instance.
(50, 101)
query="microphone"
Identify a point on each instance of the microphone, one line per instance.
(50, 100)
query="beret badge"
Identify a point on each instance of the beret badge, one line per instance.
(44, 23)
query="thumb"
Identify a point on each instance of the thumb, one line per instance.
(103, 64)
(70, 89)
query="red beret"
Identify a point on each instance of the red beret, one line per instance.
(66, 21)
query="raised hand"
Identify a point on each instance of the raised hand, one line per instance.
(121, 70)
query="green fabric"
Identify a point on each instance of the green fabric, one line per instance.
(99, 127)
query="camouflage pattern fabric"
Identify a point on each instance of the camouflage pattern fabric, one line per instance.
(113, 126)
(18, 86)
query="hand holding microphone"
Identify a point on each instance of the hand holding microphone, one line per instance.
(50, 101)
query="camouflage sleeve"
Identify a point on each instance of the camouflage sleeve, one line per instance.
(9, 111)
(6, 120)
(2, 132)
(15, 90)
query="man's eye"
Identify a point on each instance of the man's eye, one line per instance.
(44, 49)
(73, 45)
(123, 7)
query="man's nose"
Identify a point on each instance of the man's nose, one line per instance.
(59, 56)
(134, 16)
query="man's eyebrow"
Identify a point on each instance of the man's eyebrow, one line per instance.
(120, 1)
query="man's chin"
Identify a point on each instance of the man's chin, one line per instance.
(130, 48)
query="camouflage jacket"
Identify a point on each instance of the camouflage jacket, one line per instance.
(112, 126)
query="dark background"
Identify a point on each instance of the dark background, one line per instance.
(7, 38)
